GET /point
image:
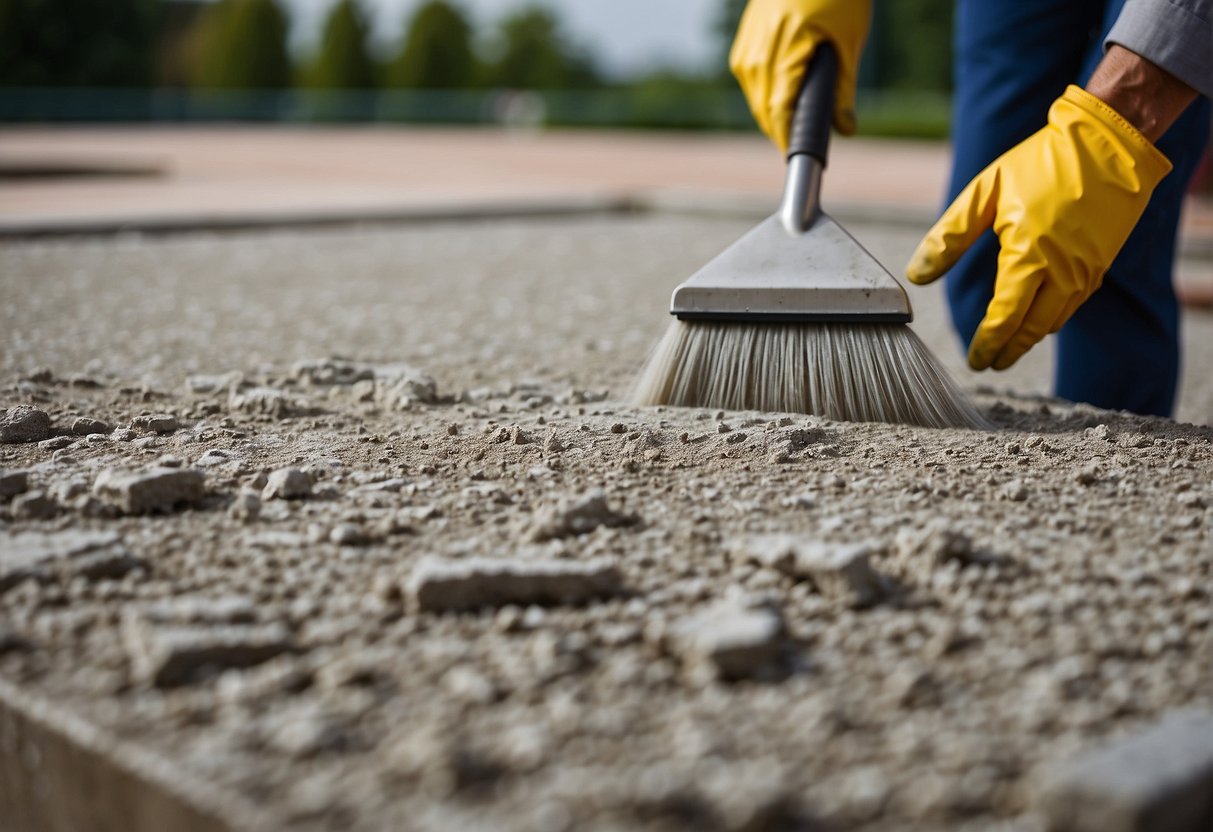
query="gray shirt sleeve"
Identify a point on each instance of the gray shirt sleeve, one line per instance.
(1177, 35)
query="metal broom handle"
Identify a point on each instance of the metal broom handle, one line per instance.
(809, 143)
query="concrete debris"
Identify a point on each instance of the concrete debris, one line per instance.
(212, 458)
(842, 571)
(287, 484)
(85, 426)
(150, 490)
(578, 516)
(442, 585)
(211, 383)
(263, 401)
(1016, 491)
(167, 655)
(246, 507)
(1159, 780)
(161, 423)
(729, 641)
(23, 423)
(933, 545)
(34, 505)
(222, 609)
(326, 372)
(91, 555)
(12, 483)
(400, 387)
(349, 534)
(56, 443)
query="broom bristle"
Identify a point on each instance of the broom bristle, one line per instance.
(849, 372)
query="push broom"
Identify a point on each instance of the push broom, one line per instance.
(797, 316)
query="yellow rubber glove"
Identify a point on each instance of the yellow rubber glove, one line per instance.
(1062, 202)
(774, 42)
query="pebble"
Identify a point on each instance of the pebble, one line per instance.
(150, 490)
(161, 423)
(24, 423)
(729, 641)
(578, 516)
(12, 483)
(349, 534)
(85, 426)
(441, 584)
(1016, 491)
(287, 484)
(1157, 780)
(837, 570)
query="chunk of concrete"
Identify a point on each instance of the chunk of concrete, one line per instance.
(287, 484)
(151, 490)
(162, 423)
(92, 555)
(579, 515)
(440, 585)
(1156, 780)
(837, 570)
(729, 641)
(167, 655)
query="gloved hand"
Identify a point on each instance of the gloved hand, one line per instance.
(1062, 202)
(774, 42)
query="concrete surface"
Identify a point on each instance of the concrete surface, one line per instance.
(1044, 586)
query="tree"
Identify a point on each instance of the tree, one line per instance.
(437, 50)
(343, 62)
(78, 43)
(910, 46)
(242, 45)
(535, 56)
(727, 20)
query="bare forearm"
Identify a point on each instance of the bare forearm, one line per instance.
(1148, 97)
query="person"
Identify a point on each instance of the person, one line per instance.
(1076, 127)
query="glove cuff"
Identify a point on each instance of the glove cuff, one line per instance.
(1152, 161)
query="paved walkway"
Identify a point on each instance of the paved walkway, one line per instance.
(172, 177)
(243, 171)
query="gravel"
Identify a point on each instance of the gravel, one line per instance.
(574, 631)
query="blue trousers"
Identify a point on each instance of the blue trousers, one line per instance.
(1013, 58)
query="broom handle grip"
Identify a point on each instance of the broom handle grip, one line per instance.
(815, 106)
(809, 142)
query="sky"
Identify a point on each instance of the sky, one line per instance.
(626, 36)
